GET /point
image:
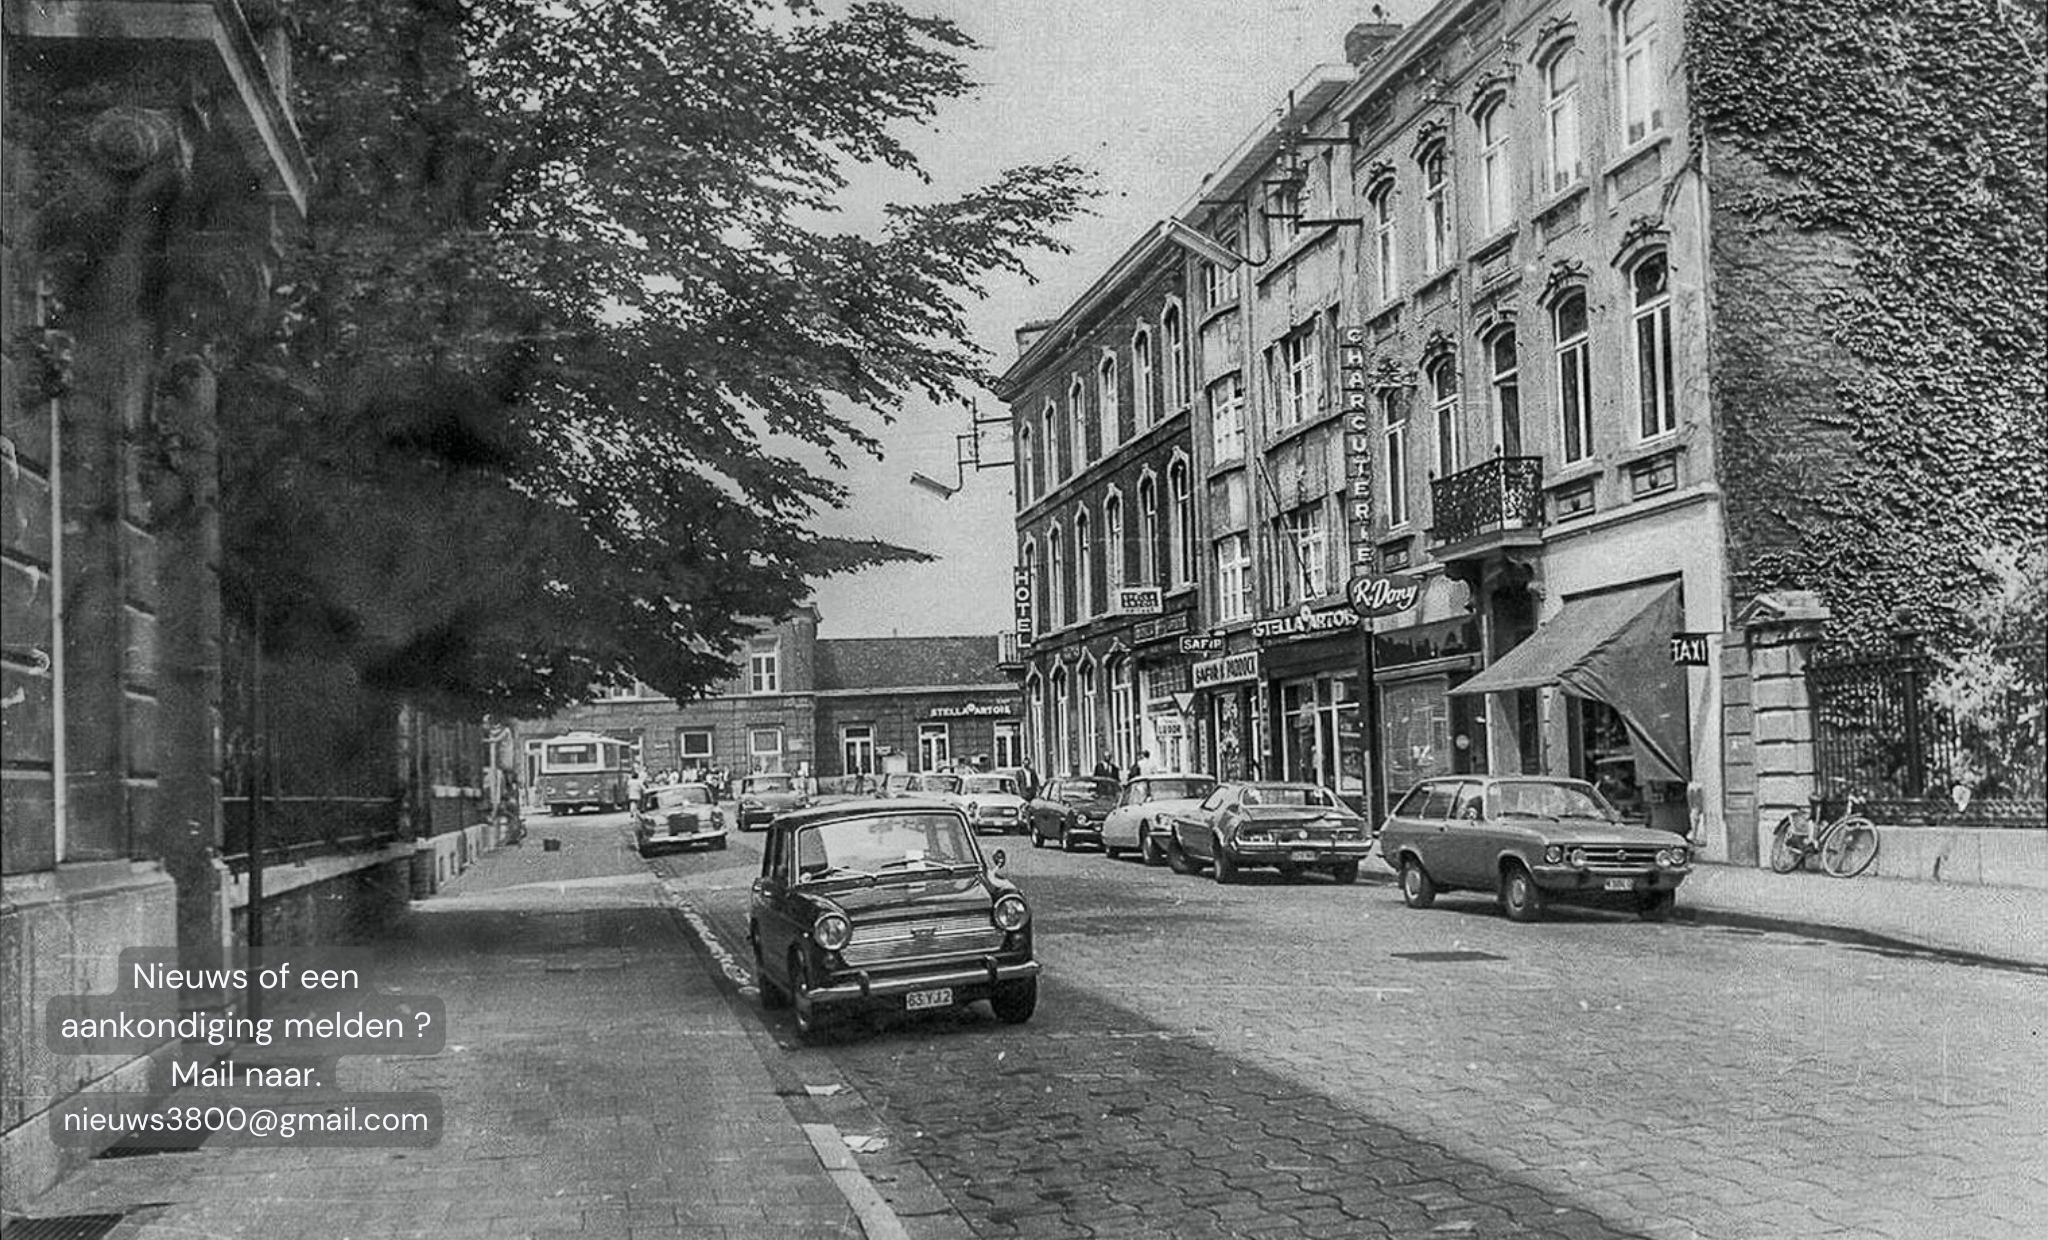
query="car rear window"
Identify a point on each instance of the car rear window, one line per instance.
(1175, 789)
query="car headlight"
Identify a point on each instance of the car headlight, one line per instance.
(1578, 857)
(1010, 912)
(1671, 858)
(831, 931)
(1554, 855)
(973, 810)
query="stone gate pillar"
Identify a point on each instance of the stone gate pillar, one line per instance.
(1768, 760)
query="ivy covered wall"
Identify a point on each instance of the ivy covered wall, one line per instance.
(1875, 172)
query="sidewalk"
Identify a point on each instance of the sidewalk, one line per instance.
(596, 1084)
(2005, 924)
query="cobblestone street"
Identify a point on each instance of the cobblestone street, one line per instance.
(1314, 1060)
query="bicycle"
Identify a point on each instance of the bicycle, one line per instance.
(1846, 846)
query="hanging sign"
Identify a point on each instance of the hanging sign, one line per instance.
(1690, 649)
(1021, 594)
(1352, 382)
(1382, 594)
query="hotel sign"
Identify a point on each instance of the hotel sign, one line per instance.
(1021, 595)
(1231, 667)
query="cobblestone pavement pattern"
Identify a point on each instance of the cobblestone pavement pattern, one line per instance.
(1257, 1060)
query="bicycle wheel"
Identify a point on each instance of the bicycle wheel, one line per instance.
(1785, 854)
(1848, 848)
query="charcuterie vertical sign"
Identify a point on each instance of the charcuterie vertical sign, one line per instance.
(1021, 593)
(1357, 445)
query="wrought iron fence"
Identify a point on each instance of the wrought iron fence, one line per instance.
(1908, 761)
(1505, 493)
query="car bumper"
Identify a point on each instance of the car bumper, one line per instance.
(703, 835)
(1302, 852)
(1565, 880)
(968, 982)
(1000, 824)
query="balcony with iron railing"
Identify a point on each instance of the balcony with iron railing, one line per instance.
(1494, 504)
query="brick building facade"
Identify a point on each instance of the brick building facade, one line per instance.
(823, 707)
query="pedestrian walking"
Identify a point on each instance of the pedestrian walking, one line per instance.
(1143, 766)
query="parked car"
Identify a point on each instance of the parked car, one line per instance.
(1025, 778)
(1290, 827)
(992, 803)
(1530, 839)
(887, 905)
(1070, 811)
(761, 797)
(939, 784)
(678, 816)
(891, 784)
(1139, 821)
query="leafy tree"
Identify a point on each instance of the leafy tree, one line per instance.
(1994, 679)
(569, 279)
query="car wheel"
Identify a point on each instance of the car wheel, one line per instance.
(1520, 895)
(1014, 1002)
(1345, 872)
(1148, 847)
(1037, 840)
(1226, 865)
(1177, 858)
(718, 844)
(1418, 889)
(558, 811)
(1656, 905)
(812, 1023)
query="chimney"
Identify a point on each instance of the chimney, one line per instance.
(1028, 334)
(1367, 40)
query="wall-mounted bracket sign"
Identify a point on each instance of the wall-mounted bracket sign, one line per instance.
(1355, 385)
(1382, 595)
(1223, 671)
(1140, 600)
(1021, 593)
(1201, 645)
(1690, 649)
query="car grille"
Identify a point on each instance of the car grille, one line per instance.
(953, 934)
(1618, 855)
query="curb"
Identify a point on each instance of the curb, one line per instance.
(1697, 915)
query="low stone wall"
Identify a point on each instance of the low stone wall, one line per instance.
(437, 859)
(2006, 857)
(342, 898)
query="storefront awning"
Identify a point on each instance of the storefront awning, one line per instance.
(1613, 648)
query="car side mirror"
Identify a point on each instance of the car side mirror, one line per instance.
(997, 860)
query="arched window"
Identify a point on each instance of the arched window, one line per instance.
(1443, 406)
(1062, 757)
(1561, 117)
(1027, 474)
(1637, 72)
(1182, 530)
(1056, 614)
(1034, 689)
(1173, 331)
(1084, 566)
(1574, 377)
(1385, 252)
(1496, 180)
(1049, 444)
(1113, 543)
(1141, 380)
(1650, 291)
(1506, 384)
(1148, 531)
(1436, 210)
(1091, 738)
(1077, 414)
(1123, 713)
(1106, 393)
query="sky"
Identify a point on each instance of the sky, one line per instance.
(1150, 97)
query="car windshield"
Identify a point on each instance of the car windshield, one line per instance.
(1289, 794)
(1088, 790)
(688, 794)
(941, 783)
(876, 843)
(1538, 799)
(1172, 789)
(984, 785)
(767, 783)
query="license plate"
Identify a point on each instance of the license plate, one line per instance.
(1621, 884)
(919, 1000)
(1301, 856)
